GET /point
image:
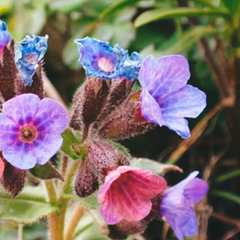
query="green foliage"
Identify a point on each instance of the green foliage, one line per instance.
(155, 167)
(227, 195)
(227, 176)
(157, 14)
(71, 140)
(28, 207)
(46, 171)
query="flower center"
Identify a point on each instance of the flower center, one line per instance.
(105, 64)
(28, 133)
(31, 58)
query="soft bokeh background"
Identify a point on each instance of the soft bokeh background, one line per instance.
(206, 32)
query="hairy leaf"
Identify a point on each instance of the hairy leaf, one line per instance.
(27, 208)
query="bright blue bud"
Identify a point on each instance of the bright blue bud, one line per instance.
(101, 60)
(30, 53)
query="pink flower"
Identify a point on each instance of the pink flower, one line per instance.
(127, 193)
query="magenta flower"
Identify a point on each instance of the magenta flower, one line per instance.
(177, 202)
(30, 130)
(165, 98)
(126, 194)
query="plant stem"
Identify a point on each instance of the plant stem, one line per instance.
(77, 215)
(20, 232)
(57, 220)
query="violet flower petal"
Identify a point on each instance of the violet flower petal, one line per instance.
(18, 110)
(178, 125)
(45, 146)
(51, 116)
(173, 74)
(148, 71)
(150, 109)
(195, 190)
(187, 102)
(20, 155)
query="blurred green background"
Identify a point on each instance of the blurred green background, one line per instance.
(207, 33)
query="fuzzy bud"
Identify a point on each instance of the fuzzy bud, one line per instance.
(88, 103)
(125, 121)
(104, 158)
(13, 179)
(86, 182)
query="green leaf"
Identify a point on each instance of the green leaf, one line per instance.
(46, 171)
(117, 5)
(27, 208)
(89, 202)
(157, 14)
(227, 195)
(155, 167)
(189, 38)
(71, 140)
(227, 176)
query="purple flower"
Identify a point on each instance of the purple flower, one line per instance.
(165, 98)
(177, 202)
(126, 194)
(30, 53)
(5, 36)
(99, 59)
(30, 130)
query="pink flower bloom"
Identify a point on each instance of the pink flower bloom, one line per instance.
(30, 130)
(127, 193)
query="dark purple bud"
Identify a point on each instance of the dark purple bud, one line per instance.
(88, 105)
(104, 158)
(86, 182)
(13, 179)
(125, 121)
(8, 73)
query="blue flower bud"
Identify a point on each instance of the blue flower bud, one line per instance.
(30, 53)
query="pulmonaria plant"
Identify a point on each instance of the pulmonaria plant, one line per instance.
(105, 109)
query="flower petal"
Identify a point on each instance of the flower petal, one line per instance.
(51, 116)
(187, 102)
(5, 37)
(178, 125)
(45, 146)
(148, 71)
(150, 109)
(22, 107)
(195, 190)
(191, 227)
(20, 155)
(173, 74)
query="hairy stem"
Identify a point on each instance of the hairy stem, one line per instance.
(77, 215)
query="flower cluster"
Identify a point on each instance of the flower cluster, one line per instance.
(105, 108)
